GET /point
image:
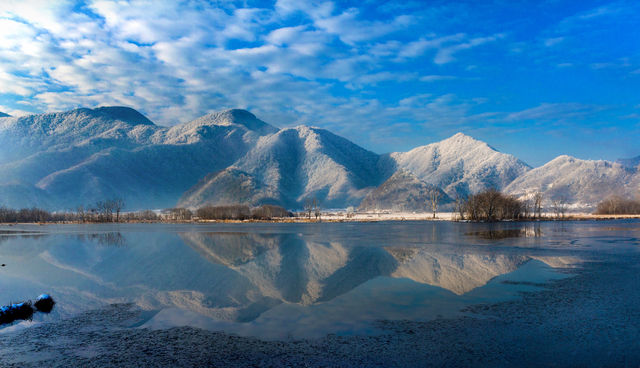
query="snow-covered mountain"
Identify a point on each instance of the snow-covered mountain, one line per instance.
(461, 165)
(581, 183)
(403, 191)
(78, 157)
(291, 166)
(65, 159)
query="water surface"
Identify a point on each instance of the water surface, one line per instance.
(294, 280)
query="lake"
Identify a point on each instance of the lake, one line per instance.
(295, 281)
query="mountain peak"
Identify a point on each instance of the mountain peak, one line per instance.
(3, 115)
(461, 165)
(461, 135)
(564, 158)
(237, 117)
(125, 114)
(583, 183)
(461, 139)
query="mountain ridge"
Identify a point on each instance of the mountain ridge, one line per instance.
(580, 183)
(461, 165)
(65, 159)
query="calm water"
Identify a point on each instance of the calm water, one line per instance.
(293, 280)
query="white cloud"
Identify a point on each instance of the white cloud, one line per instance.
(419, 47)
(176, 61)
(446, 54)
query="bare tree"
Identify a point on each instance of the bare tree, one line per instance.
(312, 206)
(537, 204)
(489, 201)
(434, 199)
(81, 213)
(104, 210)
(117, 205)
(460, 204)
(308, 207)
(526, 207)
(559, 206)
(316, 208)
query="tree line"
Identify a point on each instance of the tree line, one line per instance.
(241, 212)
(493, 205)
(112, 211)
(617, 205)
(102, 211)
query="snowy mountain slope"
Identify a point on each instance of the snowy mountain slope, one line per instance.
(230, 186)
(582, 183)
(4, 115)
(84, 155)
(461, 165)
(152, 176)
(210, 127)
(15, 195)
(402, 192)
(295, 164)
(100, 127)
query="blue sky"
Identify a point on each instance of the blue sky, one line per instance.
(533, 78)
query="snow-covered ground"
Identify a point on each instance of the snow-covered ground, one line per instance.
(386, 216)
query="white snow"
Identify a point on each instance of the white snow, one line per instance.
(581, 183)
(461, 165)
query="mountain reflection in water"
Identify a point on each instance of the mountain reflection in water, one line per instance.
(253, 281)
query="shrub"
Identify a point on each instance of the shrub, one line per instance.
(491, 205)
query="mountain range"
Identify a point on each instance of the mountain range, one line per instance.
(63, 160)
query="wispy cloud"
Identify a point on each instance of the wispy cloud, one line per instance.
(447, 54)
(435, 78)
(176, 61)
(362, 70)
(554, 111)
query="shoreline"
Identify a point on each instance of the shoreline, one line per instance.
(340, 218)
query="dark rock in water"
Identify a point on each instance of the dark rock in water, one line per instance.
(14, 312)
(44, 303)
(10, 313)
